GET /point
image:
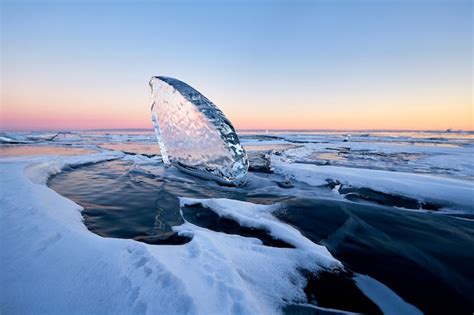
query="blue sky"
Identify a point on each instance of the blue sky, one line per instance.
(268, 64)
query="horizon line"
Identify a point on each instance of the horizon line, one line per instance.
(247, 129)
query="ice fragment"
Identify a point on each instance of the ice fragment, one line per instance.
(193, 134)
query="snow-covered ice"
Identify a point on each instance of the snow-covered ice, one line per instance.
(449, 193)
(52, 264)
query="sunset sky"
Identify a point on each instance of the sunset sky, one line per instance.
(267, 64)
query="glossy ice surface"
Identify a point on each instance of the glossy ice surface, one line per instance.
(194, 134)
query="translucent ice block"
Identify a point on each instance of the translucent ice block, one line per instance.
(193, 134)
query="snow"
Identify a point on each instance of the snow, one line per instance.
(52, 264)
(389, 302)
(259, 216)
(448, 192)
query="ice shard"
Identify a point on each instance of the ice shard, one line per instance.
(194, 135)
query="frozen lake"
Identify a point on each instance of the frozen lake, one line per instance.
(370, 222)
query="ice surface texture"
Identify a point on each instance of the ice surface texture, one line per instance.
(194, 134)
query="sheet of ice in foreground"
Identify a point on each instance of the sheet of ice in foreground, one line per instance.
(193, 134)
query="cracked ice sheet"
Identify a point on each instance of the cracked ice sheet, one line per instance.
(452, 194)
(51, 263)
(445, 160)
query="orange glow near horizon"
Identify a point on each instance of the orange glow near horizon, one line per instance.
(76, 105)
(26, 116)
(70, 110)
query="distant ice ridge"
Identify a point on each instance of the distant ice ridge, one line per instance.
(193, 134)
(39, 137)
